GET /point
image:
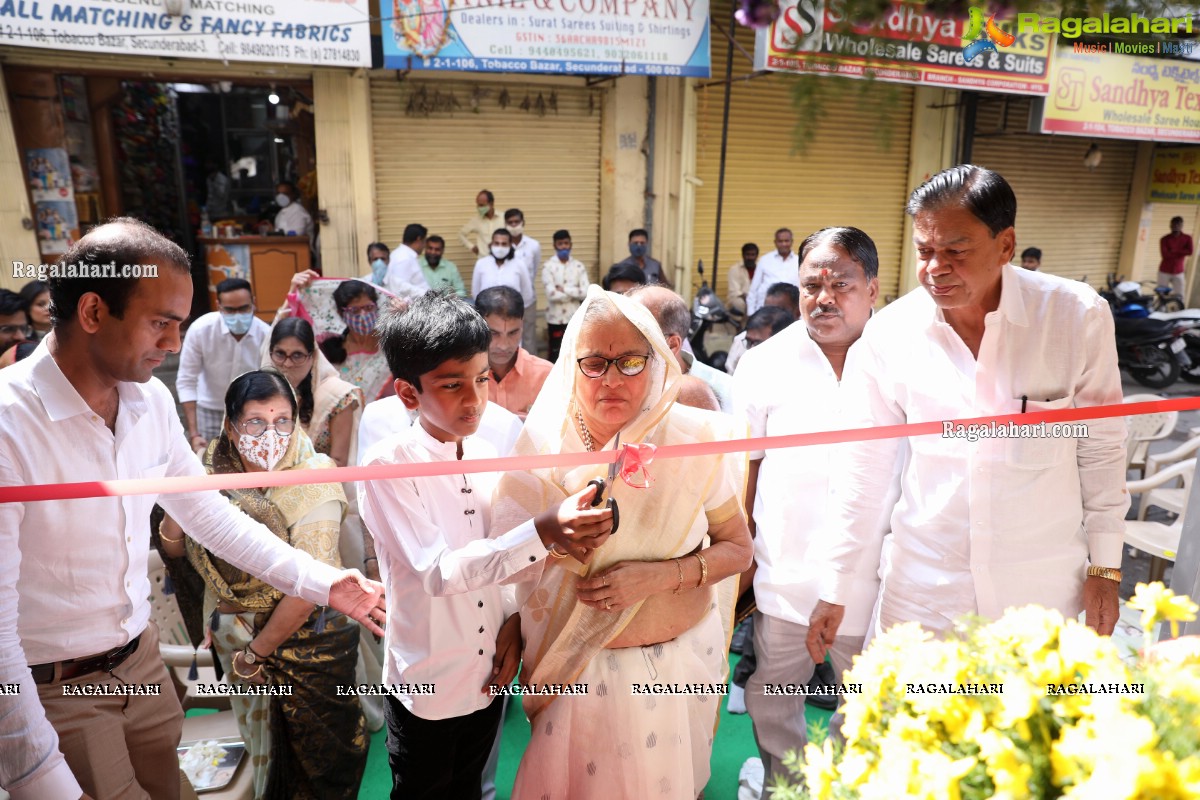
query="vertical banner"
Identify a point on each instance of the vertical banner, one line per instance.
(609, 37)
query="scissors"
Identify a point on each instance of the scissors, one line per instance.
(601, 485)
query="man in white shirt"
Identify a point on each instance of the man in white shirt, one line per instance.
(74, 608)
(404, 277)
(219, 346)
(983, 526)
(528, 253)
(476, 233)
(674, 317)
(292, 219)
(788, 385)
(779, 265)
(780, 295)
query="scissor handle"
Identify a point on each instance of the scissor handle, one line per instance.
(612, 504)
(600, 484)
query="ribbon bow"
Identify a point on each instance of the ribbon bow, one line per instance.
(632, 465)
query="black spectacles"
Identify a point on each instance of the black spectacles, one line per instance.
(628, 365)
(9, 330)
(291, 359)
(257, 427)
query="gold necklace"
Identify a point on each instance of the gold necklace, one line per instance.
(588, 442)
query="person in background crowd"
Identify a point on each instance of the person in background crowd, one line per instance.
(356, 353)
(740, 276)
(1175, 248)
(765, 323)
(639, 256)
(439, 271)
(779, 265)
(781, 295)
(790, 385)
(983, 338)
(476, 234)
(310, 743)
(219, 346)
(440, 564)
(14, 322)
(674, 318)
(515, 376)
(404, 277)
(1031, 258)
(36, 297)
(527, 253)
(378, 256)
(85, 406)
(566, 282)
(500, 268)
(292, 219)
(19, 351)
(621, 278)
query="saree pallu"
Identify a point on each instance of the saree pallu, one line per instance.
(311, 745)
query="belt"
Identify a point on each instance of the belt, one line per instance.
(105, 662)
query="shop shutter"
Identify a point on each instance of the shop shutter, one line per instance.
(1074, 215)
(854, 171)
(535, 145)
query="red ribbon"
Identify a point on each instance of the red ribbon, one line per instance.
(293, 477)
(634, 460)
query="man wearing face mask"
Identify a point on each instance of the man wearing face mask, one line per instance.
(378, 254)
(527, 253)
(440, 272)
(292, 218)
(639, 256)
(476, 233)
(219, 346)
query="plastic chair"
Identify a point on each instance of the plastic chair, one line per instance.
(1142, 429)
(1169, 499)
(1161, 541)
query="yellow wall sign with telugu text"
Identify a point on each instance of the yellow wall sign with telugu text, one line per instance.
(1175, 175)
(1104, 94)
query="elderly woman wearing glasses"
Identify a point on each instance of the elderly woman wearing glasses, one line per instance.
(309, 743)
(650, 612)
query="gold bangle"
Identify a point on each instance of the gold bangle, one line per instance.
(555, 552)
(703, 570)
(166, 538)
(1104, 572)
(679, 563)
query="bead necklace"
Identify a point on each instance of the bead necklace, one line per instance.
(583, 429)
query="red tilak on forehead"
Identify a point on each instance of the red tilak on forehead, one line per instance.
(824, 272)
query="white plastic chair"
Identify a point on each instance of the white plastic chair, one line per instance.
(1160, 540)
(1142, 429)
(1169, 499)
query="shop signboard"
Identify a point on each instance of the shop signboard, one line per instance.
(569, 37)
(906, 44)
(1175, 175)
(1102, 93)
(282, 31)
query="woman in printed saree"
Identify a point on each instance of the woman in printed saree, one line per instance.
(652, 608)
(310, 744)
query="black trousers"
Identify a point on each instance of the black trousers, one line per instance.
(439, 759)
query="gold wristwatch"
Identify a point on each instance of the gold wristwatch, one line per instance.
(1104, 572)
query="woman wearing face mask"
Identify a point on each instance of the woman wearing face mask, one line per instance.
(35, 296)
(499, 269)
(310, 744)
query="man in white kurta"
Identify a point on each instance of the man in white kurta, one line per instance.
(778, 266)
(791, 384)
(987, 525)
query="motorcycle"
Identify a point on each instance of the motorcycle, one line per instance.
(1190, 319)
(1128, 300)
(708, 312)
(1153, 352)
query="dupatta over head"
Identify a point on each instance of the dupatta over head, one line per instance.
(657, 523)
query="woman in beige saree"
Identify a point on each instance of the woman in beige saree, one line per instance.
(648, 617)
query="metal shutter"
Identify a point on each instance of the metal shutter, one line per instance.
(429, 166)
(1075, 216)
(848, 174)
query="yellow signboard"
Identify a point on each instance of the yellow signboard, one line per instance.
(1101, 93)
(1175, 175)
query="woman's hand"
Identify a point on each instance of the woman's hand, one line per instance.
(508, 654)
(246, 672)
(574, 526)
(300, 280)
(624, 584)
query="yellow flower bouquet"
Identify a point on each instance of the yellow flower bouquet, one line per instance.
(1028, 706)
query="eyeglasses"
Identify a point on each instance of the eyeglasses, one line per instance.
(290, 359)
(367, 309)
(9, 330)
(628, 365)
(257, 427)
